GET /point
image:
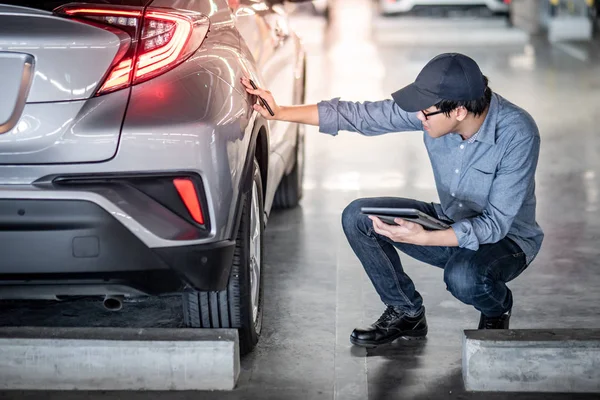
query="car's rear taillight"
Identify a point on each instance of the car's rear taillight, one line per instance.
(187, 191)
(160, 39)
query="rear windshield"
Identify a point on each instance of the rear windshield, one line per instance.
(52, 4)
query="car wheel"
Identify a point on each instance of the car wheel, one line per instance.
(240, 305)
(289, 193)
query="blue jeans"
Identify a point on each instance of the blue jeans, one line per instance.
(477, 278)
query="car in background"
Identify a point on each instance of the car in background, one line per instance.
(132, 163)
(391, 7)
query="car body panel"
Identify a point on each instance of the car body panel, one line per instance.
(66, 132)
(60, 121)
(70, 57)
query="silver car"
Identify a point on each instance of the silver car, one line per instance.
(387, 7)
(131, 160)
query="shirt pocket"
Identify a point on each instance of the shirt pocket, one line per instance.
(477, 184)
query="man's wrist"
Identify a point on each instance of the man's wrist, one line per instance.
(446, 238)
(424, 238)
(283, 113)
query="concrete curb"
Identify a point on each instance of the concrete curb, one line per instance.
(118, 359)
(556, 361)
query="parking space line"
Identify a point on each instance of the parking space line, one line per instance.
(350, 362)
(572, 50)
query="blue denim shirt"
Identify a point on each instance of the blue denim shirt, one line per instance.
(486, 187)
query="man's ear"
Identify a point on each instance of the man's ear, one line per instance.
(461, 113)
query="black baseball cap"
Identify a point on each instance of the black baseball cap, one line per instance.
(449, 76)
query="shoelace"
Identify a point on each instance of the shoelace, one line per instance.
(387, 315)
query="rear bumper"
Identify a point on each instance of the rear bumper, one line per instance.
(75, 247)
(401, 6)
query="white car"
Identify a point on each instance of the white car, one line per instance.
(403, 6)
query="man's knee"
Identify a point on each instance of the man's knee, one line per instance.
(464, 281)
(352, 219)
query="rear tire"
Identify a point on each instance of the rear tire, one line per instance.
(240, 305)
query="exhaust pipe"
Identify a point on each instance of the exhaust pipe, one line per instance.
(113, 303)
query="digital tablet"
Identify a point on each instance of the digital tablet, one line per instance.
(387, 215)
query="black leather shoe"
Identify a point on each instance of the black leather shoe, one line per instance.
(500, 322)
(390, 326)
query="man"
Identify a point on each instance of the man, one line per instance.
(484, 152)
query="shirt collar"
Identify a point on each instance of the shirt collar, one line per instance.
(487, 131)
(474, 137)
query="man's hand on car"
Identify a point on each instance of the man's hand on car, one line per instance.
(266, 96)
(404, 232)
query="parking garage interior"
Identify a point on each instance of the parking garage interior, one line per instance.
(544, 57)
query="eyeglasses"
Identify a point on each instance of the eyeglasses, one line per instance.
(427, 115)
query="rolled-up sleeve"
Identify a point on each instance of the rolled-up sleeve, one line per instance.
(367, 118)
(513, 181)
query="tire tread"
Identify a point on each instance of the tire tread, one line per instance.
(223, 309)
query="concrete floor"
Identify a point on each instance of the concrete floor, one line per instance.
(316, 291)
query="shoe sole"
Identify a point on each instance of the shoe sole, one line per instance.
(407, 335)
